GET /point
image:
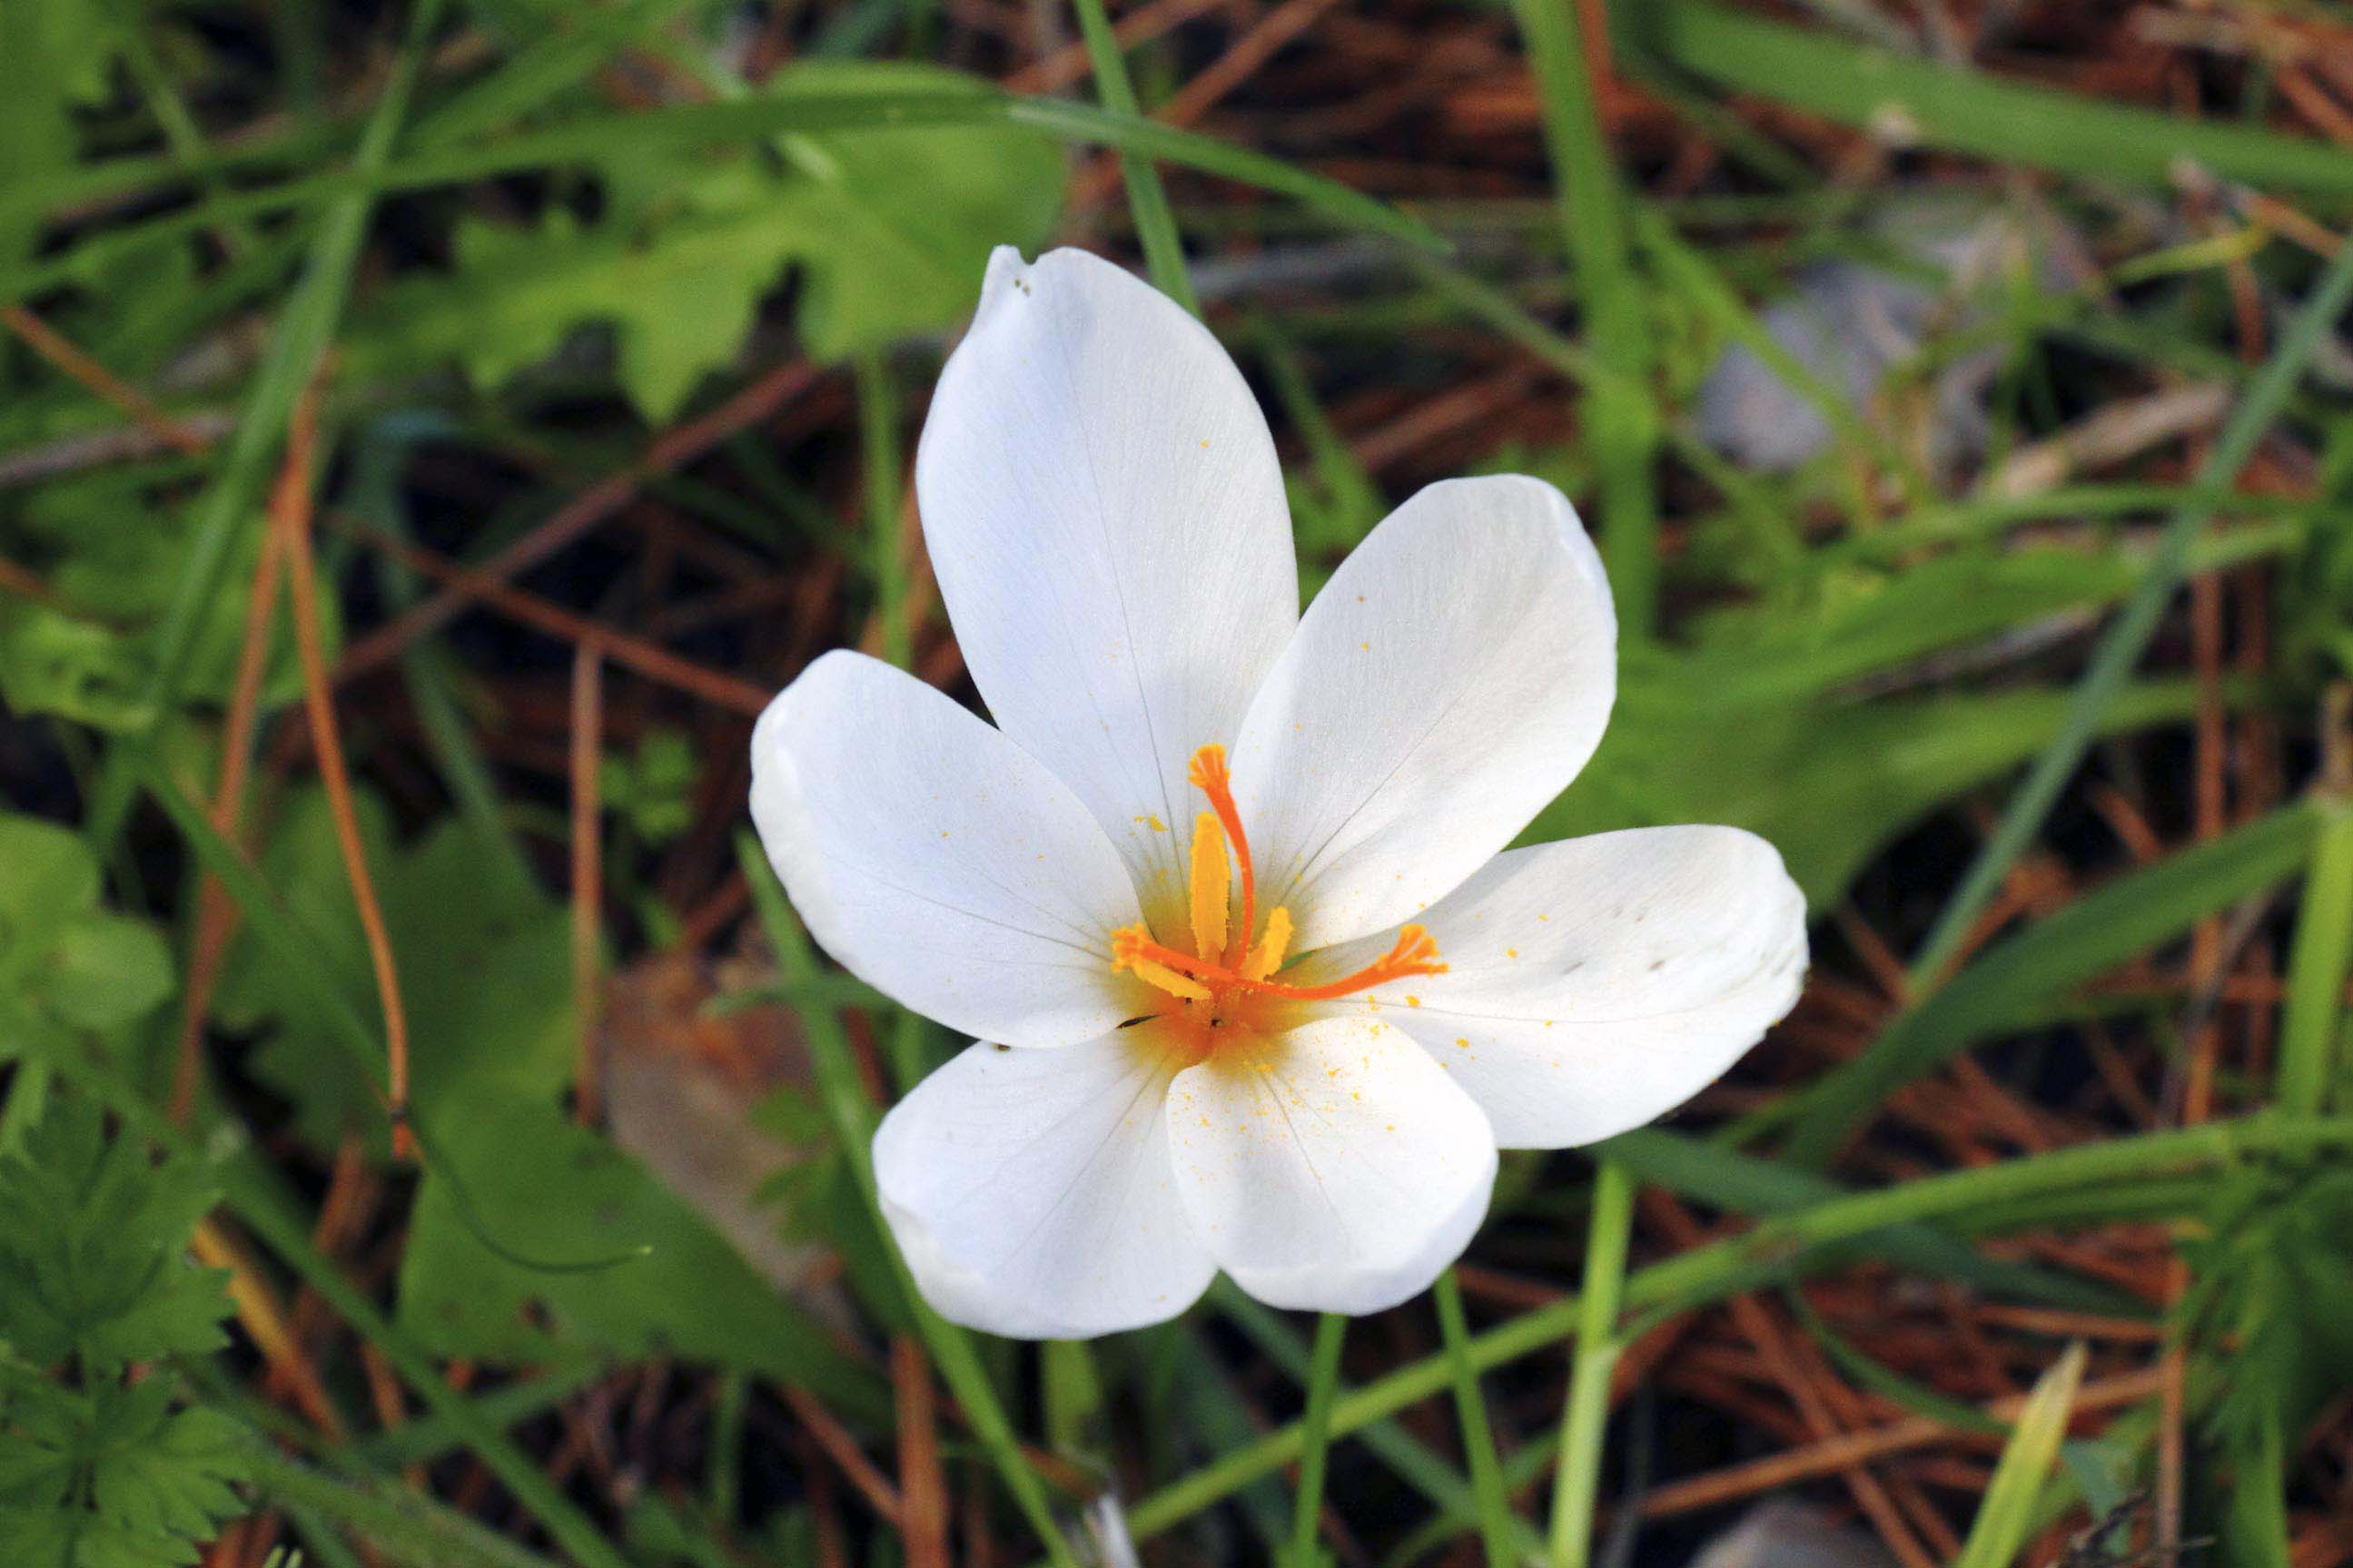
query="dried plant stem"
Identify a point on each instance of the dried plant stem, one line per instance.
(289, 516)
(216, 910)
(51, 345)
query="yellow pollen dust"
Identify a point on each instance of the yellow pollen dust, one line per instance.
(1227, 964)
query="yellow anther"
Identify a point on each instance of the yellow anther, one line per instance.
(1272, 947)
(1224, 961)
(1168, 980)
(1207, 772)
(1212, 885)
(1129, 947)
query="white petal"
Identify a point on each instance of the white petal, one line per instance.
(1450, 680)
(1031, 1192)
(1597, 984)
(1333, 1168)
(938, 861)
(1106, 518)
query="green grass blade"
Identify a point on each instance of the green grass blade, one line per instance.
(1922, 102)
(843, 1096)
(1147, 198)
(405, 1526)
(1710, 1173)
(2001, 990)
(2313, 1020)
(2121, 646)
(1577, 1482)
(1779, 1248)
(1620, 417)
(1412, 1460)
(595, 139)
(1316, 1441)
(1498, 1526)
(232, 500)
(2006, 1518)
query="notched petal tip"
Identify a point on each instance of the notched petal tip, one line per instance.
(1007, 273)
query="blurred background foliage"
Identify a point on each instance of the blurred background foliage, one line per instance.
(1958, 387)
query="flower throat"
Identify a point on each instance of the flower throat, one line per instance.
(1227, 962)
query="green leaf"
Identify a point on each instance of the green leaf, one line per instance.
(65, 962)
(449, 926)
(110, 970)
(892, 229)
(93, 1243)
(1828, 783)
(680, 300)
(54, 54)
(45, 870)
(2268, 1247)
(897, 225)
(97, 1471)
(53, 662)
(116, 545)
(1854, 622)
(113, 1478)
(545, 1186)
(653, 788)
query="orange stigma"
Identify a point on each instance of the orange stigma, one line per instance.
(1132, 948)
(1226, 963)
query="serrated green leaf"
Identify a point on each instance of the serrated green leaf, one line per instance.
(93, 1245)
(898, 224)
(115, 1478)
(98, 1471)
(891, 228)
(115, 546)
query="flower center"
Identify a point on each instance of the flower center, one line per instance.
(1232, 967)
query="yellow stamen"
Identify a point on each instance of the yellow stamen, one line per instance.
(1224, 961)
(1414, 952)
(1168, 980)
(1212, 886)
(1271, 949)
(1128, 946)
(1209, 775)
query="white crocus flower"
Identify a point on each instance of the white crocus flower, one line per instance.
(1224, 894)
